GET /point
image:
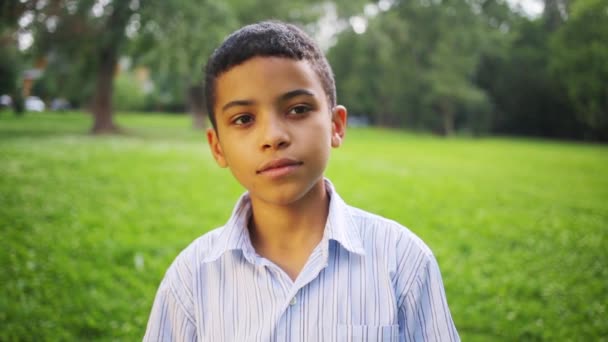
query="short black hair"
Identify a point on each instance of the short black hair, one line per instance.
(269, 39)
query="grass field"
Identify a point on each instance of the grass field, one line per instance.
(89, 224)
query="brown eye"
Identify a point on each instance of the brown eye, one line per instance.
(299, 110)
(243, 120)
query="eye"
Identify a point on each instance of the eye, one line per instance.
(299, 110)
(243, 120)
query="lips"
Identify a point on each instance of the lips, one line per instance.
(278, 164)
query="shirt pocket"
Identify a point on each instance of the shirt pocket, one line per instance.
(356, 333)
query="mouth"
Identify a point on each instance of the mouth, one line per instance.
(279, 167)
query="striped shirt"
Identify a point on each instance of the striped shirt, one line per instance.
(369, 279)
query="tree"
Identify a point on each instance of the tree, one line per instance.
(369, 76)
(528, 99)
(453, 62)
(10, 68)
(580, 62)
(175, 41)
(554, 14)
(403, 71)
(177, 49)
(90, 34)
(173, 38)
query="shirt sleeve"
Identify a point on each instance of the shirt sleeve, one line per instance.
(423, 312)
(169, 321)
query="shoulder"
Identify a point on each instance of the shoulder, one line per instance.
(179, 276)
(390, 232)
(173, 311)
(404, 253)
(197, 252)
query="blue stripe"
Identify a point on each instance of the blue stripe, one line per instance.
(369, 279)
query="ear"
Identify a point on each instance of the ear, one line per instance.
(338, 125)
(216, 147)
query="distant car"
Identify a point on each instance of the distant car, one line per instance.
(34, 104)
(5, 101)
(358, 121)
(60, 104)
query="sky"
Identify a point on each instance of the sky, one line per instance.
(532, 8)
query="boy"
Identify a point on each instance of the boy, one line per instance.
(293, 262)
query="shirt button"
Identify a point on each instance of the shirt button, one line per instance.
(293, 301)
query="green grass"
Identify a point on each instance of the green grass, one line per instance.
(90, 224)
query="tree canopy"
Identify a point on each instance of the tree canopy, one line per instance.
(580, 62)
(475, 66)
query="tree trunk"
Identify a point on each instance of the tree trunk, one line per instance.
(197, 107)
(553, 13)
(447, 115)
(103, 122)
(110, 40)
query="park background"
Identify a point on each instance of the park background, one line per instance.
(479, 124)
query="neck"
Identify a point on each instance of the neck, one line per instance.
(297, 227)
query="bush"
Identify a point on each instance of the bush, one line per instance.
(128, 93)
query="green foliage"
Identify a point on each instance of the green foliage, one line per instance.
(299, 11)
(528, 98)
(464, 65)
(9, 70)
(368, 76)
(10, 12)
(79, 38)
(480, 67)
(10, 59)
(63, 78)
(404, 72)
(580, 52)
(176, 49)
(128, 93)
(90, 224)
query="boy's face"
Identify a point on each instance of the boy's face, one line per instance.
(274, 128)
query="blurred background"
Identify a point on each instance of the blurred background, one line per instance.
(479, 124)
(509, 67)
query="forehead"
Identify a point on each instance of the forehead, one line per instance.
(264, 78)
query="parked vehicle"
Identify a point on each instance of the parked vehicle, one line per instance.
(358, 121)
(60, 104)
(5, 101)
(34, 104)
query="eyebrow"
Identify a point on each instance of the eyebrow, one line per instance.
(236, 103)
(295, 93)
(287, 96)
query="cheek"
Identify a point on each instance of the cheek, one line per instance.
(233, 155)
(324, 130)
(320, 139)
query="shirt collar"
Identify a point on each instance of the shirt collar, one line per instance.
(340, 227)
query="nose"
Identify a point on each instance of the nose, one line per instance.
(275, 135)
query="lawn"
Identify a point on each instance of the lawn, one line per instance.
(89, 224)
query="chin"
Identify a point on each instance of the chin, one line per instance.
(286, 194)
(283, 197)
